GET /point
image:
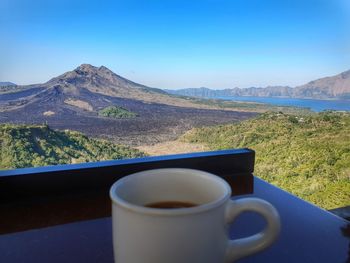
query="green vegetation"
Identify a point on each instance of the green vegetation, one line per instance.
(27, 146)
(307, 155)
(116, 112)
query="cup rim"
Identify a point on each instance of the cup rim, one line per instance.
(170, 212)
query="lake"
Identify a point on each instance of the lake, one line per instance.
(314, 105)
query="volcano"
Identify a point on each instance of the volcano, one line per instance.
(74, 100)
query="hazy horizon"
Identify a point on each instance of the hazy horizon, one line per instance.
(177, 44)
(176, 88)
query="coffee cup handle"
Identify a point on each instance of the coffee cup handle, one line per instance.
(242, 247)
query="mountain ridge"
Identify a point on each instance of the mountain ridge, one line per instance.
(98, 80)
(7, 83)
(76, 99)
(74, 84)
(334, 87)
(98, 76)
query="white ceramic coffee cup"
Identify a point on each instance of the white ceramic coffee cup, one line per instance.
(185, 235)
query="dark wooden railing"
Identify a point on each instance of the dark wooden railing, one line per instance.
(44, 196)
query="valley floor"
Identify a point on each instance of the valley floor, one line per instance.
(172, 147)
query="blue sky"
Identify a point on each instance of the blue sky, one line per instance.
(177, 44)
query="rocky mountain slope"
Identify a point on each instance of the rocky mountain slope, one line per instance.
(97, 80)
(72, 85)
(103, 81)
(329, 87)
(76, 99)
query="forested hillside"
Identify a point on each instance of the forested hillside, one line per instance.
(308, 156)
(29, 145)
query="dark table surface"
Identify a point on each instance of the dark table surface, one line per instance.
(308, 234)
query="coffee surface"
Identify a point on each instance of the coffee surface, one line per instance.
(170, 204)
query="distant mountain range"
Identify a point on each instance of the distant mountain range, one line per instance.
(335, 87)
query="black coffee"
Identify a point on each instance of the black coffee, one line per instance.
(170, 204)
